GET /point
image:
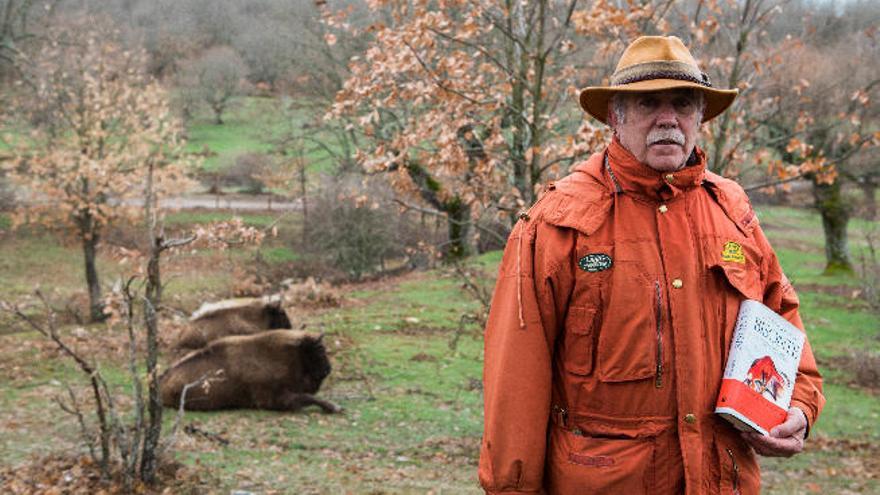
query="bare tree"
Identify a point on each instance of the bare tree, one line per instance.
(218, 75)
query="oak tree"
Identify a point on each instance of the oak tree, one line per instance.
(106, 124)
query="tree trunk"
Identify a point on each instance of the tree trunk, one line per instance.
(458, 223)
(518, 62)
(96, 306)
(305, 203)
(149, 456)
(152, 298)
(218, 114)
(835, 218)
(869, 190)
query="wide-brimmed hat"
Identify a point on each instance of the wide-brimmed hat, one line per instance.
(655, 63)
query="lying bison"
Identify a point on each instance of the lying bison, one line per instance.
(277, 369)
(242, 316)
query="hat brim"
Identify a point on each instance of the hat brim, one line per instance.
(594, 100)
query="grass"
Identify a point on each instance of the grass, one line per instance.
(243, 131)
(252, 125)
(190, 217)
(413, 405)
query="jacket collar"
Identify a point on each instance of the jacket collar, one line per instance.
(636, 178)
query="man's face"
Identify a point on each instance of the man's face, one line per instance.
(659, 128)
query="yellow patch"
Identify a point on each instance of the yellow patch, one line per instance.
(733, 252)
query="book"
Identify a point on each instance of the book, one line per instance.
(761, 369)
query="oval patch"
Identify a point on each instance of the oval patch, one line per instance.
(595, 262)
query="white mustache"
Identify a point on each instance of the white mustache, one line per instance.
(666, 135)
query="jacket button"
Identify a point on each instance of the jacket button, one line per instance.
(669, 177)
(677, 283)
(663, 208)
(690, 418)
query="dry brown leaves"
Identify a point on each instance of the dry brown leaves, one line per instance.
(312, 294)
(71, 474)
(860, 458)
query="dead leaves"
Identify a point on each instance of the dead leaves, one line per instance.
(71, 474)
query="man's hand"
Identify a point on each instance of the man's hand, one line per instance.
(785, 440)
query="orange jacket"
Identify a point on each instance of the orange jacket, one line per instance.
(609, 330)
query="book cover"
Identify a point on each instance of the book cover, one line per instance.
(761, 369)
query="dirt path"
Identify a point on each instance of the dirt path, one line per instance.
(229, 202)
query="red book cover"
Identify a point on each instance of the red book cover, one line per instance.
(761, 369)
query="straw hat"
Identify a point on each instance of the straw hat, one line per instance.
(655, 63)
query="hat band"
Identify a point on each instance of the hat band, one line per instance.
(660, 70)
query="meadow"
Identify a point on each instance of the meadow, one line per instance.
(413, 410)
(412, 399)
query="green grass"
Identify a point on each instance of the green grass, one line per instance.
(413, 405)
(191, 217)
(244, 131)
(279, 254)
(253, 125)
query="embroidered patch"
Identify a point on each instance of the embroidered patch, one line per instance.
(733, 252)
(595, 262)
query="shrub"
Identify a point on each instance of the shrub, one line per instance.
(246, 173)
(355, 230)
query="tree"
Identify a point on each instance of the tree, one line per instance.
(107, 124)
(470, 104)
(218, 74)
(831, 136)
(18, 26)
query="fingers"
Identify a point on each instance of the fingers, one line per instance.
(773, 446)
(795, 425)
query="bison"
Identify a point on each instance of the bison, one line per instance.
(242, 316)
(277, 369)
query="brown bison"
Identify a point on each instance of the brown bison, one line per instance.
(242, 316)
(278, 369)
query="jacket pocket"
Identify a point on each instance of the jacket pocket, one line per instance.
(629, 338)
(739, 472)
(739, 269)
(581, 464)
(745, 279)
(578, 343)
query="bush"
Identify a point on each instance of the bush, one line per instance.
(246, 173)
(355, 231)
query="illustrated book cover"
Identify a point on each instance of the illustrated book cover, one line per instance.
(761, 369)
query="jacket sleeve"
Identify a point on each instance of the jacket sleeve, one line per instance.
(779, 295)
(519, 340)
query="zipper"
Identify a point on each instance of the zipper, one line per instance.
(735, 472)
(658, 377)
(561, 415)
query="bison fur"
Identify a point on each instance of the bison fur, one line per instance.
(277, 370)
(241, 316)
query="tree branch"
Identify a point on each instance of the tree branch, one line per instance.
(450, 220)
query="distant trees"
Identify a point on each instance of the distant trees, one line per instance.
(216, 76)
(467, 107)
(105, 125)
(830, 137)
(17, 27)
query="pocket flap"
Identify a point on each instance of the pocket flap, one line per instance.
(744, 279)
(577, 349)
(580, 320)
(739, 261)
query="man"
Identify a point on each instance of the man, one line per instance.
(615, 306)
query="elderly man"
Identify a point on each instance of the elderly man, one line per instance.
(615, 306)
